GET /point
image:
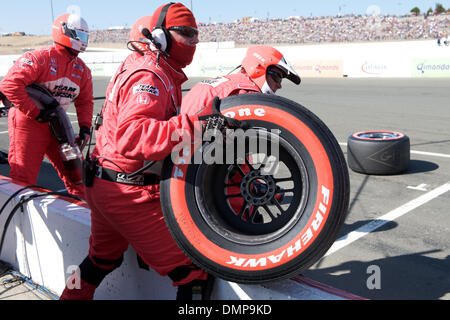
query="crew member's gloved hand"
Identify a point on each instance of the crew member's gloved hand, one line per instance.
(48, 112)
(85, 133)
(46, 115)
(51, 105)
(217, 121)
(83, 136)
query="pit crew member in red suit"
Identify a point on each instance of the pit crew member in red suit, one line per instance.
(59, 69)
(139, 119)
(262, 71)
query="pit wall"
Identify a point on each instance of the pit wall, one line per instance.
(49, 237)
(406, 59)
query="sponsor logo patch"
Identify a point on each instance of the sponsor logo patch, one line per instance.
(64, 90)
(146, 88)
(26, 61)
(214, 82)
(78, 67)
(143, 98)
(123, 178)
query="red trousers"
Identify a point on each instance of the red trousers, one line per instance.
(123, 215)
(29, 141)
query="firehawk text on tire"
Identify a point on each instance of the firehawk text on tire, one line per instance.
(378, 152)
(268, 215)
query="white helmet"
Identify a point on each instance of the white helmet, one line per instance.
(72, 31)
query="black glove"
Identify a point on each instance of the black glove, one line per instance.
(85, 133)
(46, 115)
(52, 105)
(48, 112)
(83, 137)
(217, 121)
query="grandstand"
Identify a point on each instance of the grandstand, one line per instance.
(299, 30)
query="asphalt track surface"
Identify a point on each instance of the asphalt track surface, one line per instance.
(395, 243)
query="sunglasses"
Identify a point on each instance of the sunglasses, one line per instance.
(275, 76)
(185, 31)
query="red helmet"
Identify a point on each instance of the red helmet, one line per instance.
(259, 58)
(136, 36)
(72, 31)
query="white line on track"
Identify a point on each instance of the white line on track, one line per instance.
(388, 217)
(433, 154)
(239, 291)
(368, 228)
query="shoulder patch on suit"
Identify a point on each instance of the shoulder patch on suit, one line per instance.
(215, 82)
(148, 88)
(143, 98)
(26, 61)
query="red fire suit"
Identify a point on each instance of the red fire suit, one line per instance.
(68, 79)
(139, 118)
(198, 101)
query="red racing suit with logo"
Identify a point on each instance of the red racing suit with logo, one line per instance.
(139, 118)
(68, 79)
(198, 101)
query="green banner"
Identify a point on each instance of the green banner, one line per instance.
(423, 68)
(97, 70)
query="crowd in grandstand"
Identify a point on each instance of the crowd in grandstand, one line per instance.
(297, 30)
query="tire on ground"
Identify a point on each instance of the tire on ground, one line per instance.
(256, 222)
(378, 152)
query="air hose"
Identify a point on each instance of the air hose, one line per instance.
(18, 279)
(23, 201)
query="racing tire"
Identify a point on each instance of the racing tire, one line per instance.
(245, 235)
(378, 152)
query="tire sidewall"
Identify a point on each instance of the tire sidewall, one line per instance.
(314, 231)
(378, 156)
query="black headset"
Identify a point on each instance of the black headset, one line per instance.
(160, 36)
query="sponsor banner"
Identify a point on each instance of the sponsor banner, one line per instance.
(208, 64)
(375, 68)
(319, 68)
(215, 70)
(97, 70)
(423, 68)
(103, 69)
(209, 69)
(378, 67)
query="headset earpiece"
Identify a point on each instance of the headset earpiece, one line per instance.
(161, 38)
(160, 35)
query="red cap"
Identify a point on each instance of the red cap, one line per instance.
(177, 16)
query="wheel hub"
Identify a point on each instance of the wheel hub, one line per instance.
(258, 189)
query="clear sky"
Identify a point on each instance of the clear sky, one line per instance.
(35, 16)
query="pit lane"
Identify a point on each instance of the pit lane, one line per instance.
(380, 255)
